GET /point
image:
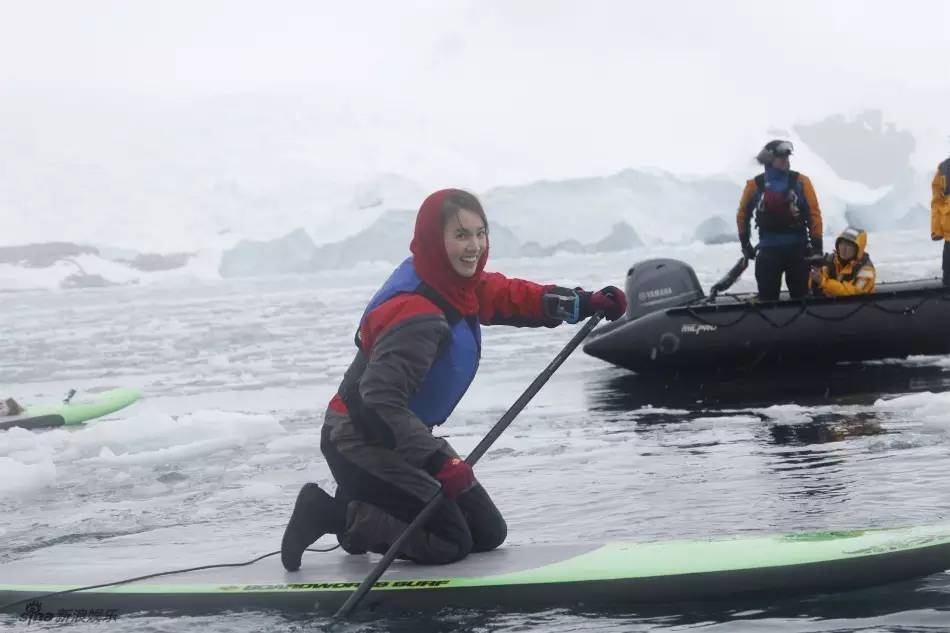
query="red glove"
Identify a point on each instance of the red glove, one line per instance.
(610, 300)
(456, 477)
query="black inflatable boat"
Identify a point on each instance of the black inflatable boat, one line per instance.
(671, 326)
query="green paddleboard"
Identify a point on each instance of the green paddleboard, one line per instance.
(618, 574)
(80, 409)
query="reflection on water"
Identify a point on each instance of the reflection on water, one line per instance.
(843, 384)
(828, 427)
(921, 604)
(812, 474)
(803, 457)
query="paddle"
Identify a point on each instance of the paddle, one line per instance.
(354, 599)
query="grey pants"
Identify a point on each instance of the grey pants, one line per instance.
(383, 493)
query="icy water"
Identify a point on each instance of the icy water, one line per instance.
(236, 377)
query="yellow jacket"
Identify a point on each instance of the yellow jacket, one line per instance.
(940, 203)
(855, 277)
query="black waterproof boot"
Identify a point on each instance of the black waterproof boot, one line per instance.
(315, 514)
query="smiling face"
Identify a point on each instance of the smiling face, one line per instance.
(466, 238)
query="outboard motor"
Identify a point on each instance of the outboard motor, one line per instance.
(658, 284)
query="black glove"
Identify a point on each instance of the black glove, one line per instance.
(747, 251)
(817, 247)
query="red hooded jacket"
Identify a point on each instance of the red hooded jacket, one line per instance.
(400, 338)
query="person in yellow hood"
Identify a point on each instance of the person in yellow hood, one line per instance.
(940, 214)
(849, 271)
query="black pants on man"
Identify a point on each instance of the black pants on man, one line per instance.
(946, 263)
(772, 262)
(383, 494)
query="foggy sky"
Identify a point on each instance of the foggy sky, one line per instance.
(554, 88)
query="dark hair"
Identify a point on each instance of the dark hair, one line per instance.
(458, 200)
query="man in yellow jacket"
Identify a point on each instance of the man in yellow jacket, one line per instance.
(940, 214)
(849, 271)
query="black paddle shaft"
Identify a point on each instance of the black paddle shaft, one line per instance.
(354, 599)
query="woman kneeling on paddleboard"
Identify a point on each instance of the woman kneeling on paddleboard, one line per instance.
(418, 350)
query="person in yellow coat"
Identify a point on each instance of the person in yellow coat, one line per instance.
(849, 271)
(940, 214)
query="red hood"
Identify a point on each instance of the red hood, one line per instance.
(432, 263)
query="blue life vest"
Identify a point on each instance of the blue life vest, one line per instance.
(457, 362)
